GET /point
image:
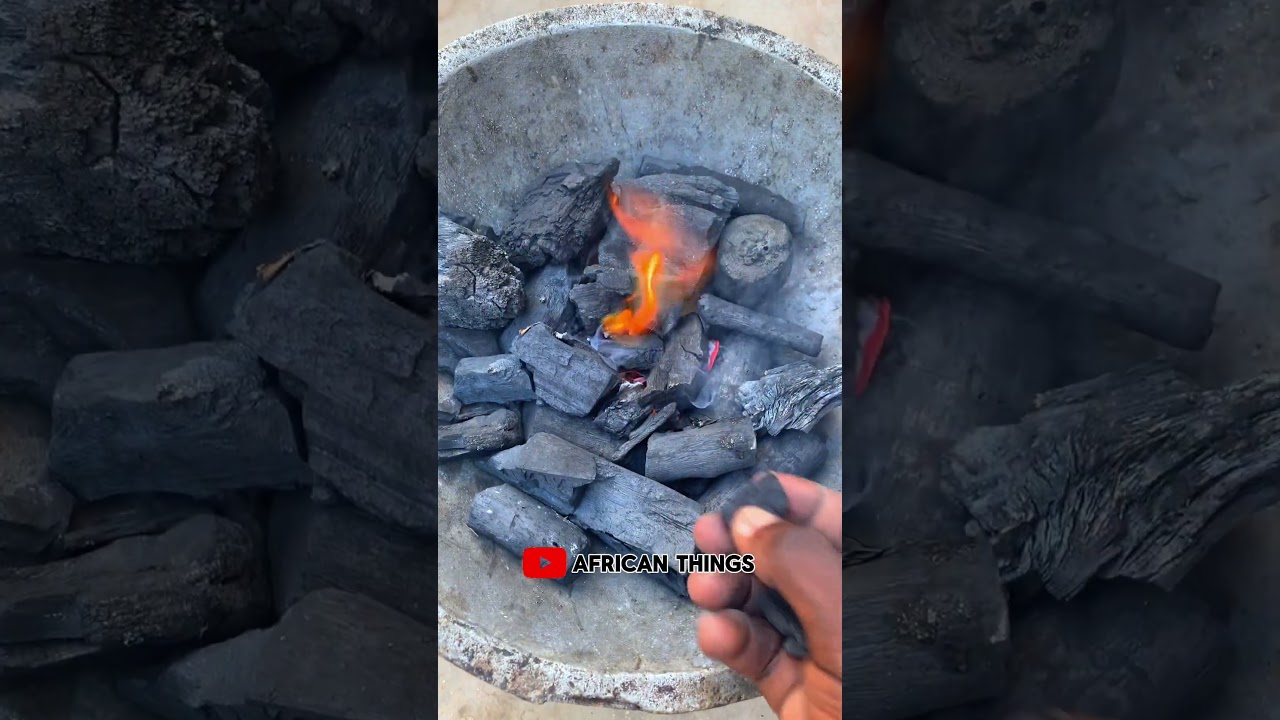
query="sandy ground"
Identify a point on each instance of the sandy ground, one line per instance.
(814, 23)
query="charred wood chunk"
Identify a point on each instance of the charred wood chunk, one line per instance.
(701, 204)
(753, 259)
(516, 522)
(639, 352)
(741, 358)
(315, 546)
(932, 616)
(560, 216)
(331, 652)
(752, 199)
(34, 510)
(199, 581)
(447, 404)
(458, 343)
(479, 288)
(792, 397)
(725, 315)
(614, 258)
(98, 523)
(790, 451)
(634, 510)
(681, 372)
(703, 452)
(494, 379)
(896, 211)
(202, 166)
(569, 378)
(546, 467)
(194, 420)
(389, 28)
(546, 301)
(962, 101)
(632, 406)
(30, 358)
(468, 412)
(496, 431)
(1151, 483)
(406, 290)
(589, 436)
(620, 280)
(593, 301)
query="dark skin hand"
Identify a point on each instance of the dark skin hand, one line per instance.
(799, 556)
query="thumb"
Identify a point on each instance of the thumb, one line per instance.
(804, 568)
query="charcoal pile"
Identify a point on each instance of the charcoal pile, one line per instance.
(603, 356)
(214, 340)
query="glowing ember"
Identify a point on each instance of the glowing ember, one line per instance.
(671, 265)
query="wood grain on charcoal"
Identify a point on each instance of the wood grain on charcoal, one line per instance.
(791, 451)
(569, 378)
(333, 655)
(195, 419)
(893, 210)
(791, 397)
(701, 204)
(479, 288)
(1122, 482)
(708, 451)
(487, 433)
(592, 301)
(752, 260)
(200, 580)
(586, 434)
(34, 510)
(516, 521)
(548, 468)
(639, 512)
(722, 314)
(679, 374)
(499, 379)
(447, 405)
(752, 199)
(561, 216)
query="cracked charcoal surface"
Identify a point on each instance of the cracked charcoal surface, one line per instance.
(479, 288)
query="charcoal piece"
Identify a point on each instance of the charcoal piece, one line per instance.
(199, 581)
(389, 28)
(632, 406)
(479, 288)
(794, 396)
(790, 451)
(614, 258)
(315, 546)
(620, 280)
(546, 301)
(560, 216)
(546, 467)
(679, 375)
(634, 352)
(569, 378)
(673, 579)
(1152, 481)
(593, 301)
(34, 510)
(493, 379)
(725, 315)
(752, 199)
(346, 143)
(468, 412)
(406, 290)
(700, 204)
(447, 404)
(515, 522)
(766, 493)
(458, 343)
(100, 106)
(496, 431)
(193, 419)
(30, 358)
(68, 695)
(278, 41)
(586, 434)
(333, 655)
(752, 260)
(739, 359)
(98, 523)
(702, 452)
(643, 514)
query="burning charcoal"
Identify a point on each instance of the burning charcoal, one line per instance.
(447, 405)
(495, 379)
(725, 315)
(681, 372)
(561, 216)
(753, 259)
(639, 352)
(752, 199)
(199, 581)
(794, 396)
(516, 522)
(594, 301)
(406, 290)
(547, 467)
(546, 301)
(33, 509)
(738, 358)
(766, 493)
(704, 452)
(98, 523)
(619, 280)
(479, 288)
(614, 256)
(790, 451)
(335, 546)
(30, 358)
(331, 652)
(498, 430)
(702, 204)
(570, 379)
(457, 343)
(141, 421)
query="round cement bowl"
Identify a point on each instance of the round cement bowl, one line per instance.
(523, 96)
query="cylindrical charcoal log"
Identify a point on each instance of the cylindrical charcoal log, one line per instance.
(516, 522)
(975, 91)
(484, 434)
(705, 452)
(492, 379)
(753, 259)
(723, 314)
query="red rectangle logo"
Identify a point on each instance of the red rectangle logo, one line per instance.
(545, 563)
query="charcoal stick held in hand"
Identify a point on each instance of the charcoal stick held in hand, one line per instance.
(725, 315)
(516, 521)
(569, 378)
(547, 467)
(704, 452)
(494, 379)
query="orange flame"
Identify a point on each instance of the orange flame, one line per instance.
(671, 265)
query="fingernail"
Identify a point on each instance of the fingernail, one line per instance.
(749, 520)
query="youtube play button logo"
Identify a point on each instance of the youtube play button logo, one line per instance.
(545, 563)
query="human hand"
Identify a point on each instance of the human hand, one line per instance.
(799, 556)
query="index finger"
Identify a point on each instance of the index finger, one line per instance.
(814, 505)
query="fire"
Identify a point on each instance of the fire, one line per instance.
(671, 265)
